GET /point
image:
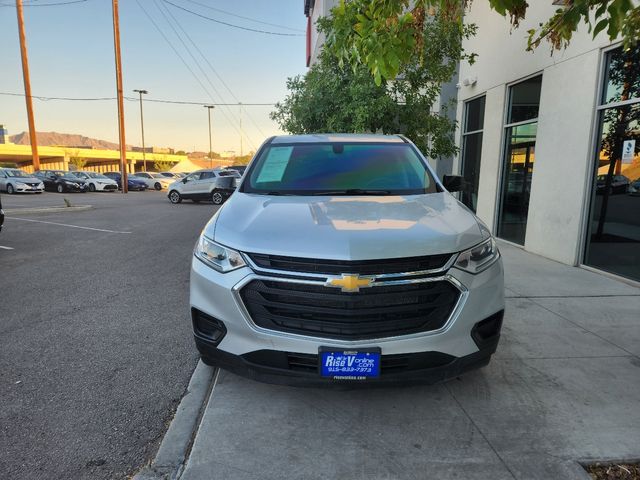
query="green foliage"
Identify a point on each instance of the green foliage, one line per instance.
(163, 166)
(337, 97)
(387, 35)
(181, 152)
(77, 160)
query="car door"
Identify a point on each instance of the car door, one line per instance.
(205, 183)
(3, 181)
(190, 184)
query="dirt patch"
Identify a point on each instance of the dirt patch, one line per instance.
(619, 471)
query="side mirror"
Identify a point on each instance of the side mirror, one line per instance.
(453, 183)
(185, 180)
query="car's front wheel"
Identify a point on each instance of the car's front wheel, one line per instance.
(157, 186)
(60, 188)
(10, 189)
(174, 197)
(217, 198)
(92, 187)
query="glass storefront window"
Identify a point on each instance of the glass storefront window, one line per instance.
(471, 151)
(613, 242)
(519, 159)
(524, 100)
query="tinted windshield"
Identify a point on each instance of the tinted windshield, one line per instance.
(17, 173)
(68, 175)
(334, 169)
(228, 173)
(157, 175)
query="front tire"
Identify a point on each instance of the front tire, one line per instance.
(10, 189)
(92, 187)
(217, 198)
(157, 186)
(174, 197)
(60, 188)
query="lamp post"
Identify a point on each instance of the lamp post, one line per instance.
(144, 154)
(209, 108)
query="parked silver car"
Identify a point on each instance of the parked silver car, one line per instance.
(200, 185)
(154, 180)
(14, 180)
(342, 258)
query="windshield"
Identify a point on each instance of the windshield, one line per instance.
(339, 169)
(157, 175)
(69, 176)
(97, 175)
(17, 173)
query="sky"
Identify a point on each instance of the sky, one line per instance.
(70, 50)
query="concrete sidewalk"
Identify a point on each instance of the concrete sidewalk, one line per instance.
(563, 387)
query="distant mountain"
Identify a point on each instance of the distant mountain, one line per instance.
(63, 139)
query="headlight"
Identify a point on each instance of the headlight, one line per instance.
(73, 184)
(478, 258)
(41, 185)
(216, 256)
(21, 185)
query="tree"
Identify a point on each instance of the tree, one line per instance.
(77, 160)
(334, 97)
(163, 165)
(387, 35)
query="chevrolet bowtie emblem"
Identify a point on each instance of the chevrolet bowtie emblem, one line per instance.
(350, 283)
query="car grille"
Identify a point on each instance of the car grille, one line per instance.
(362, 267)
(376, 312)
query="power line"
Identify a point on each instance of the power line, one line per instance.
(134, 99)
(199, 66)
(233, 25)
(204, 5)
(55, 4)
(213, 69)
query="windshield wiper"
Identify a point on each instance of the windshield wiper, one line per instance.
(353, 191)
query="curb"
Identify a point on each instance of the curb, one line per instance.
(176, 444)
(79, 208)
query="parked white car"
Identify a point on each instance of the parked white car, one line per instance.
(97, 182)
(14, 180)
(154, 180)
(204, 185)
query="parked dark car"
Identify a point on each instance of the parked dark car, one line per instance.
(619, 185)
(132, 183)
(238, 168)
(1, 215)
(61, 181)
(634, 188)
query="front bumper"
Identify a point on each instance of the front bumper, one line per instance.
(28, 189)
(216, 295)
(106, 187)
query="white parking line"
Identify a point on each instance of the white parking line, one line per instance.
(67, 225)
(6, 248)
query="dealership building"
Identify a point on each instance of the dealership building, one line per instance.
(549, 143)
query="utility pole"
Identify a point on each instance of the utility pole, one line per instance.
(144, 155)
(241, 153)
(209, 108)
(116, 47)
(27, 87)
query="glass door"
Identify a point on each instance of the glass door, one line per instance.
(519, 159)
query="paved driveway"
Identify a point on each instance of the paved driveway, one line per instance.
(563, 386)
(95, 334)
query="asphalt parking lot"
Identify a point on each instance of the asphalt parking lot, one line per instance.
(95, 335)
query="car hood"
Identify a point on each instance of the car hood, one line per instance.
(27, 179)
(346, 228)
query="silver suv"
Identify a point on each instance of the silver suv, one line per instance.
(202, 185)
(342, 258)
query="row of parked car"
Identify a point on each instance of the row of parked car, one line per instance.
(14, 180)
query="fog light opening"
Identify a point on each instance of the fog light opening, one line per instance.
(487, 331)
(208, 327)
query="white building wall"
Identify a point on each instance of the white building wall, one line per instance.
(321, 8)
(564, 146)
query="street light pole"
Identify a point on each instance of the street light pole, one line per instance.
(241, 152)
(144, 154)
(209, 108)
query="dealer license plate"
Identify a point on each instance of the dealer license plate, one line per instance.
(349, 365)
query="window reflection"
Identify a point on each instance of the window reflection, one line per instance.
(614, 236)
(472, 151)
